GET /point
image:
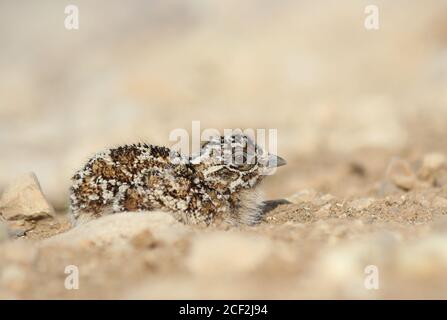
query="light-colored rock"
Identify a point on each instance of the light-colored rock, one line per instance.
(123, 229)
(24, 199)
(399, 172)
(224, 253)
(434, 170)
(431, 163)
(361, 204)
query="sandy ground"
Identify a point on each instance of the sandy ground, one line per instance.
(312, 245)
(361, 119)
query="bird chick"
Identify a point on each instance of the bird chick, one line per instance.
(217, 185)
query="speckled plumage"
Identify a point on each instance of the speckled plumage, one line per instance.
(218, 184)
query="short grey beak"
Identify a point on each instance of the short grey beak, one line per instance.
(275, 161)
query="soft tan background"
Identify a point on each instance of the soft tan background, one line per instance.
(135, 71)
(345, 102)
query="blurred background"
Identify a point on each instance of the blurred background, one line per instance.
(136, 71)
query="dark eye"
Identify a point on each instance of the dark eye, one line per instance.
(226, 174)
(241, 163)
(240, 159)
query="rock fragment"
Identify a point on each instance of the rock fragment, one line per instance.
(432, 162)
(434, 169)
(121, 230)
(23, 199)
(399, 172)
